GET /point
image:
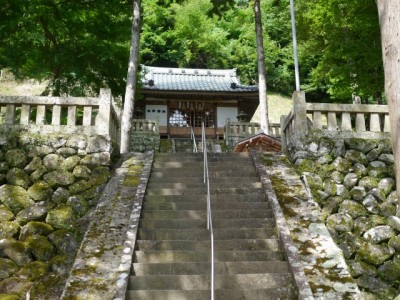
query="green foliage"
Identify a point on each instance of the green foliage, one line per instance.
(79, 45)
(340, 49)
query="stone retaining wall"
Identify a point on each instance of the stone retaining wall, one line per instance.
(353, 182)
(49, 186)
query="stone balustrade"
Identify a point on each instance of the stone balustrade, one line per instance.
(143, 125)
(67, 115)
(346, 120)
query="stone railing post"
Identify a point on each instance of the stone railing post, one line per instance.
(104, 116)
(283, 135)
(300, 114)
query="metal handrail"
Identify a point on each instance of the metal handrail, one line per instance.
(193, 138)
(209, 214)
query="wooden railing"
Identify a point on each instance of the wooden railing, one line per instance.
(70, 115)
(347, 120)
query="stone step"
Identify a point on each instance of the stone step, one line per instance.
(202, 282)
(224, 166)
(201, 191)
(180, 256)
(180, 155)
(246, 267)
(220, 198)
(200, 179)
(215, 205)
(217, 223)
(200, 159)
(287, 293)
(201, 214)
(203, 234)
(219, 245)
(200, 185)
(199, 173)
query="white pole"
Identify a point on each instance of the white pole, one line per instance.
(296, 61)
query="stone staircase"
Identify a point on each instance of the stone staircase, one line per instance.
(172, 255)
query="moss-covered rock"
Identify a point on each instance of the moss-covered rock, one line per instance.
(379, 234)
(15, 286)
(340, 164)
(70, 162)
(350, 180)
(14, 197)
(340, 222)
(4, 167)
(79, 186)
(9, 297)
(40, 151)
(331, 207)
(35, 212)
(34, 270)
(17, 251)
(374, 254)
(35, 228)
(8, 229)
(38, 174)
(53, 161)
(34, 164)
(337, 177)
(377, 169)
(64, 242)
(362, 145)
(354, 156)
(48, 287)
(387, 158)
(60, 195)
(353, 208)
(5, 214)
(16, 176)
(79, 205)
(368, 182)
(358, 268)
(358, 193)
(66, 152)
(7, 268)
(387, 185)
(364, 223)
(61, 217)
(360, 170)
(81, 172)
(330, 187)
(15, 158)
(40, 247)
(389, 271)
(59, 178)
(388, 209)
(371, 204)
(99, 176)
(40, 191)
(61, 264)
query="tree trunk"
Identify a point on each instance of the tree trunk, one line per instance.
(262, 83)
(129, 100)
(389, 18)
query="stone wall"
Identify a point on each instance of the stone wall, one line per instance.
(353, 182)
(144, 141)
(49, 186)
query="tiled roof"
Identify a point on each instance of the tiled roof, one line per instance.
(206, 80)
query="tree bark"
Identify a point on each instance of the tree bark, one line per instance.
(262, 83)
(129, 100)
(389, 18)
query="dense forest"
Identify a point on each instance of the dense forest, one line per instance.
(82, 45)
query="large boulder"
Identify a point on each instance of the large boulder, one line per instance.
(14, 197)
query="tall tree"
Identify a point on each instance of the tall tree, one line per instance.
(389, 16)
(129, 100)
(262, 83)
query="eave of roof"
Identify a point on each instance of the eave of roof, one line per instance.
(193, 80)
